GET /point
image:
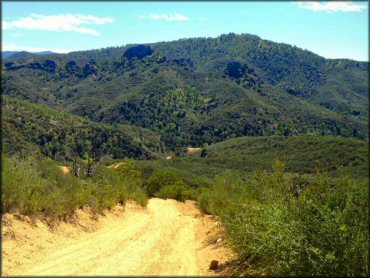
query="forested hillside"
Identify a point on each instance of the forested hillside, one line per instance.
(30, 128)
(201, 90)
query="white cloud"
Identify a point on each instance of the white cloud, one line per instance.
(14, 47)
(17, 35)
(5, 25)
(55, 23)
(166, 17)
(331, 6)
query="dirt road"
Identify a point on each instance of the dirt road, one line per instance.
(166, 238)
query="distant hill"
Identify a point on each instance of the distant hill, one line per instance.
(301, 154)
(30, 128)
(7, 54)
(203, 90)
(304, 154)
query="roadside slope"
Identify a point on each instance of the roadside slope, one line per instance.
(166, 238)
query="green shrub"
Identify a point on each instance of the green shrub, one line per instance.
(178, 191)
(225, 190)
(204, 200)
(159, 179)
(333, 216)
(35, 186)
(21, 188)
(114, 186)
(318, 227)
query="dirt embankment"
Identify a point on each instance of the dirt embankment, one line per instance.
(166, 238)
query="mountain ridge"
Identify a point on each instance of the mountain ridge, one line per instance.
(8, 54)
(201, 90)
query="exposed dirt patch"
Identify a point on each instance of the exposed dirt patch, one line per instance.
(166, 238)
(116, 165)
(65, 169)
(194, 150)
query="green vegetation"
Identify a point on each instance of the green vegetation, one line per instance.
(246, 102)
(34, 186)
(279, 223)
(168, 185)
(303, 154)
(31, 128)
(288, 224)
(196, 91)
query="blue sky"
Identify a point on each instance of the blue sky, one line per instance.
(332, 30)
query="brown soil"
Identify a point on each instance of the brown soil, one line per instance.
(166, 238)
(116, 165)
(65, 169)
(194, 150)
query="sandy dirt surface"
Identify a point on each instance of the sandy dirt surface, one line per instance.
(193, 150)
(65, 169)
(116, 165)
(166, 238)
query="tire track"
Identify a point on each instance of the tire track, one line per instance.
(163, 239)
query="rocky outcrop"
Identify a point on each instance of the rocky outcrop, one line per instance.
(35, 65)
(138, 52)
(90, 68)
(236, 70)
(47, 65)
(9, 65)
(297, 93)
(72, 67)
(158, 57)
(251, 80)
(243, 75)
(213, 265)
(50, 65)
(12, 66)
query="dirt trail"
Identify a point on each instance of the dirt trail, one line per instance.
(166, 238)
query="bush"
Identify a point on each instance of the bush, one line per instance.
(333, 216)
(221, 197)
(277, 228)
(22, 185)
(179, 191)
(159, 179)
(114, 186)
(33, 186)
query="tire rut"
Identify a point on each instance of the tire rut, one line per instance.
(162, 239)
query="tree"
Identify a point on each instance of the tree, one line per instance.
(75, 163)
